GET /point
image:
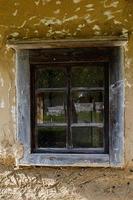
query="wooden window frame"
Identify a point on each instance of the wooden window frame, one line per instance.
(115, 157)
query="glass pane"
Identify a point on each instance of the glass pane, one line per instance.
(87, 137)
(51, 137)
(51, 107)
(92, 76)
(50, 78)
(87, 107)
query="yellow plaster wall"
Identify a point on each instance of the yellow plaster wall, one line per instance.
(56, 19)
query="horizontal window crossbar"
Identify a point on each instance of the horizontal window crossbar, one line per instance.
(73, 150)
(87, 89)
(52, 125)
(40, 90)
(99, 125)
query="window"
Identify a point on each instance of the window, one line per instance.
(70, 108)
(70, 101)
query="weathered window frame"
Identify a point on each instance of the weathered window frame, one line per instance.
(116, 103)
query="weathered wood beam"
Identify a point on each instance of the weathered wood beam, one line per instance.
(67, 43)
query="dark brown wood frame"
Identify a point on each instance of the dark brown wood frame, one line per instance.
(99, 61)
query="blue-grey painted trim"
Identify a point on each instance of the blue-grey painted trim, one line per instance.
(116, 146)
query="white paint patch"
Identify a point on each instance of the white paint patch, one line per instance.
(127, 84)
(2, 103)
(15, 13)
(54, 21)
(57, 11)
(16, 3)
(58, 2)
(97, 33)
(36, 31)
(70, 18)
(13, 112)
(33, 17)
(13, 70)
(125, 32)
(45, 1)
(51, 21)
(128, 62)
(88, 19)
(109, 15)
(89, 5)
(113, 4)
(1, 82)
(37, 2)
(23, 24)
(77, 9)
(90, 9)
(125, 20)
(76, 1)
(96, 27)
(80, 26)
(117, 22)
(63, 32)
(15, 34)
(126, 47)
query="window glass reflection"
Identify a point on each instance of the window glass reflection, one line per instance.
(51, 107)
(87, 137)
(50, 78)
(87, 107)
(88, 76)
(51, 137)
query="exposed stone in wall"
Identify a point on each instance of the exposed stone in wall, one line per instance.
(54, 19)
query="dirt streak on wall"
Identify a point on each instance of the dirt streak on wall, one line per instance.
(56, 19)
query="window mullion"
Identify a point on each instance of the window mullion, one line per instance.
(106, 108)
(69, 133)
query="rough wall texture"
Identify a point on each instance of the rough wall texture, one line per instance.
(54, 19)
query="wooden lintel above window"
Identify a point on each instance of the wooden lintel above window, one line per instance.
(67, 43)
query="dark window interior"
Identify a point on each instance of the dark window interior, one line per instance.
(69, 103)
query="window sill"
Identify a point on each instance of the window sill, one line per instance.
(77, 160)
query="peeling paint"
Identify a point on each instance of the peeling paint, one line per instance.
(57, 11)
(22, 25)
(51, 21)
(125, 32)
(58, 2)
(117, 22)
(113, 4)
(15, 13)
(1, 81)
(127, 84)
(96, 27)
(88, 19)
(109, 15)
(15, 34)
(2, 103)
(76, 1)
(89, 5)
(37, 2)
(77, 9)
